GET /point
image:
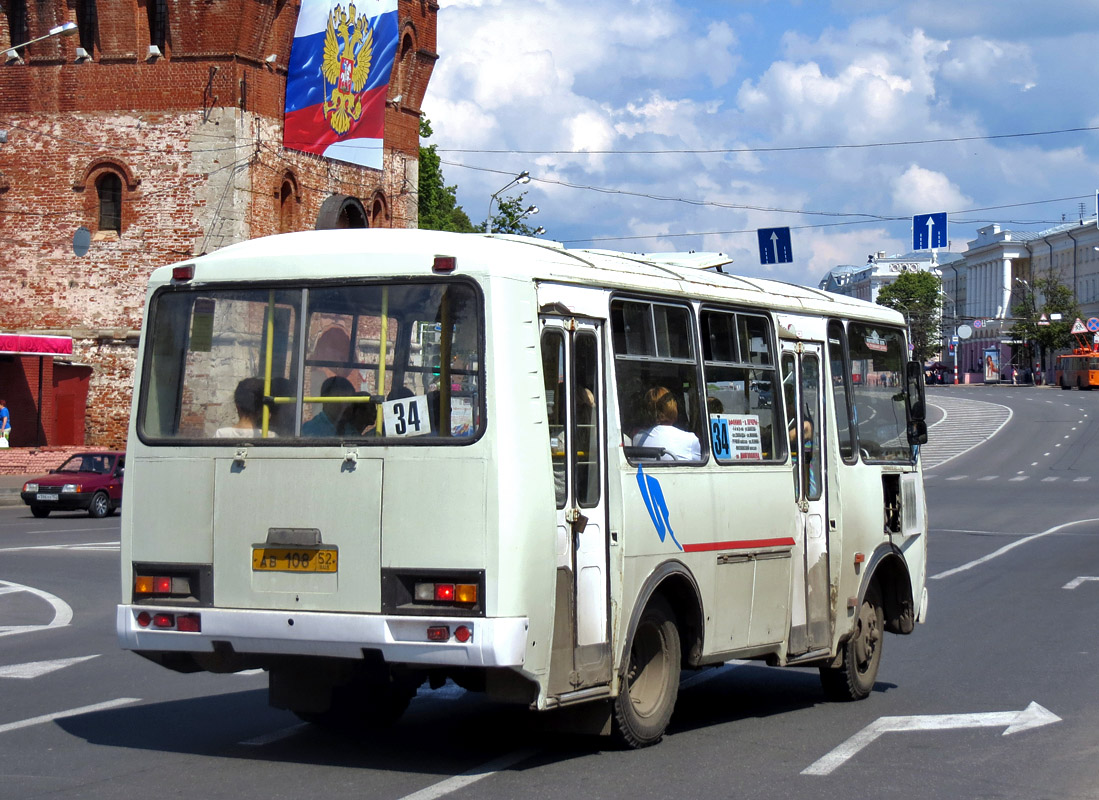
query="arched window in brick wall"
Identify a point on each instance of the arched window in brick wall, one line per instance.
(379, 211)
(108, 187)
(17, 21)
(87, 20)
(402, 87)
(107, 184)
(289, 199)
(158, 26)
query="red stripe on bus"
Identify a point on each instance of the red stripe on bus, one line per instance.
(745, 544)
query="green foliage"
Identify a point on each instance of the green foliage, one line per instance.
(438, 203)
(916, 295)
(509, 217)
(1045, 296)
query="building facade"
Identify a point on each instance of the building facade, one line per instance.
(880, 270)
(996, 277)
(151, 135)
(983, 288)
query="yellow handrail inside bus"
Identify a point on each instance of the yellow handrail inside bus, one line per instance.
(385, 340)
(267, 359)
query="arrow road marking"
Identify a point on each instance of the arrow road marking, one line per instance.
(35, 669)
(1077, 581)
(62, 611)
(1033, 716)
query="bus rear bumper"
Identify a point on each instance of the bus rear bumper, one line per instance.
(492, 642)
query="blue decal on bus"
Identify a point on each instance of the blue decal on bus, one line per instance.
(654, 502)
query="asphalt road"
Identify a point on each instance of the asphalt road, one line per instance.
(1014, 542)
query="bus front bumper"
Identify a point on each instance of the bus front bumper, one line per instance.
(492, 641)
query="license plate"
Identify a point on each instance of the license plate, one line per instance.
(285, 559)
(42, 496)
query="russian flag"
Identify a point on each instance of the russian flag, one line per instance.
(338, 77)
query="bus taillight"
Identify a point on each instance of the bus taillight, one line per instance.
(444, 264)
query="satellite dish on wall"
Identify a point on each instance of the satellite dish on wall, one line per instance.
(82, 240)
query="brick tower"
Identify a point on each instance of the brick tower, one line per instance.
(157, 127)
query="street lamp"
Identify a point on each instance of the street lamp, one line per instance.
(68, 29)
(522, 177)
(531, 210)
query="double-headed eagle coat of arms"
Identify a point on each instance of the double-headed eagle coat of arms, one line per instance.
(348, 43)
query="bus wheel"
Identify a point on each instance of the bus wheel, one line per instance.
(647, 695)
(854, 678)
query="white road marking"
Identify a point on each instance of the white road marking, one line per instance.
(72, 712)
(62, 611)
(1049, 480)
(275, 736)
(989, 477)
(35, 669)
(471, 776)
(1006, 548)
(1019, 478)
(1033, 716)
(103, 546)
(1077, 581)
(1081, 480)
(972, 423)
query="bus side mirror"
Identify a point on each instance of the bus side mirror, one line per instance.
(914, 392)
(915, 403)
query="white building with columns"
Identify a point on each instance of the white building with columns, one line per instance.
(994, 275)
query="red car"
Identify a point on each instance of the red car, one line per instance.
(90, 480)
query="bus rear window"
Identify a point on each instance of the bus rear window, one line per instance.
(393, 363)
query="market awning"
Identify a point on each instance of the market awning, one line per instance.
(27, 344)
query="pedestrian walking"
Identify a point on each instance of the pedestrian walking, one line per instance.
(5, 422)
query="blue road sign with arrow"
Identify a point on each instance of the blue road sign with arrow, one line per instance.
(929, 231)
(774, 246)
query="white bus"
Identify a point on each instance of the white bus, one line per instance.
(365, 459)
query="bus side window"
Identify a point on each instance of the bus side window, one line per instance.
(839, 365)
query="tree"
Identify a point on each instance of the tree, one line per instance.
(916, 295)
(510, 217)
(1046, 296)
(438, 203)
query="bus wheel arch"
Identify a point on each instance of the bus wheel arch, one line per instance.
(664, 633)
(888, 572)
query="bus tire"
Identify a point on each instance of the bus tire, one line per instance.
(854, 678)
(650, 685)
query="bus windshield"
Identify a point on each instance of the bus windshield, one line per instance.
(379, 362)
(878, 364)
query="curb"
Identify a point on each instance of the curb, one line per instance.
(10, 497)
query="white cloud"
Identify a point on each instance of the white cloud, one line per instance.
(920, 191)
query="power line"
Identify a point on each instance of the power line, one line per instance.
(785, 149)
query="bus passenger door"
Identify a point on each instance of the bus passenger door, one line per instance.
(810, 622)
(572, 356)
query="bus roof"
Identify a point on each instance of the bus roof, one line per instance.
(341, 253)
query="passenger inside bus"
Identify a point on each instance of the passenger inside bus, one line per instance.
(659, 412)
(330, 419)
(248, 399)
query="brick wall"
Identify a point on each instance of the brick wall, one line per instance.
(195, 137)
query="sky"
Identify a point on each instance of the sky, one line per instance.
(687, 125)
